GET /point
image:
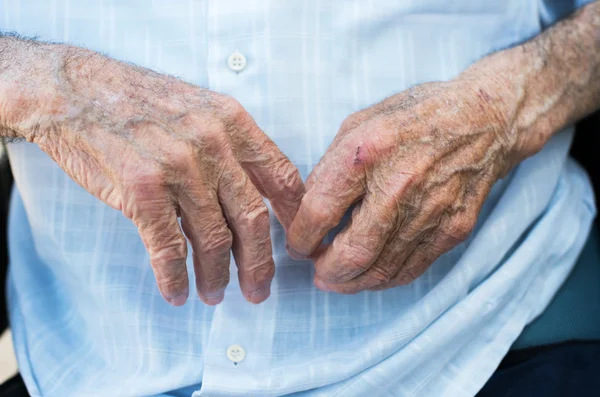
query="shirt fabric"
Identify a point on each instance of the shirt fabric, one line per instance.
(574, 311)
(86, 314)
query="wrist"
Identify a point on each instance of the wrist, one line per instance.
(28, 85)
(511, 76)
(496, 98)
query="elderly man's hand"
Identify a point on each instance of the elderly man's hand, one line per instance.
(157, 149)
(418, 167)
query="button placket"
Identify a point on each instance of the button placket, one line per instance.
(238, 354)
(240, 343)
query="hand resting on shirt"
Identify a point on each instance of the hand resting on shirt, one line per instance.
(419, 165)
(156, 149)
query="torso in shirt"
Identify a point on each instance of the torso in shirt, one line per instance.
(88, 317)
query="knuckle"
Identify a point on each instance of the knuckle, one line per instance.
(261, 272)
(182, 155)
(405, 275)
(202, 132)
(234, 111)
(383, 274)
(170, 254)
(384, 139)
(143, 179)
(231, 105)
(288, 183)
(354, 260)
(408, 179)
(320, 215)
(351, 122)
(460, 228)
(358, 153)
(357, 255)
(213, 138)
(255, 217)
(140, 199)
(218, 241)
(191, 120)
(386, 214)
(204, 129)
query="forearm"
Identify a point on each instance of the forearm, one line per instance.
(29, 71)
(548, 82)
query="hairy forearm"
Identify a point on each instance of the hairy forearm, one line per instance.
(28, 73)
(8, 70)
(548, 82)
(157, 149)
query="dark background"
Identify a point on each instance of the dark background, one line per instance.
(585, 148)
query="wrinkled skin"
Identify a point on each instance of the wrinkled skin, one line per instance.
(418, 166)
(157, 149)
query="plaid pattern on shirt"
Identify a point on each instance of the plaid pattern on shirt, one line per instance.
(87, 317)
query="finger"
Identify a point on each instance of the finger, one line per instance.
(454, 227)
(451, 229)
(381, 271)
(206, 228)
(348, 125)
(248, 219)
(359, 244)
(425, 232)
(413, 228)
(355, 120)
(273, 174)
(341, 183)
(155, 217)
(424, 255)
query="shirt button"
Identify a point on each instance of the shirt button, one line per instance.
(236, 353)
(237, 62)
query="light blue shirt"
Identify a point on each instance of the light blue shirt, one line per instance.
(86, 314)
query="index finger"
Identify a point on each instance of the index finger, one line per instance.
(271, 172)
(340, 183)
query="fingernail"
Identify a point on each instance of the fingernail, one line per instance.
(259, 295)
(294, 254)
(180, 299)
(214, 298)
(321, 285)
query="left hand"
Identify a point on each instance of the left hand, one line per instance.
(418, 166)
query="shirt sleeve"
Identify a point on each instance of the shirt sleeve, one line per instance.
(554, 10)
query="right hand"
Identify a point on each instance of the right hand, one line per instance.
(157, 148)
